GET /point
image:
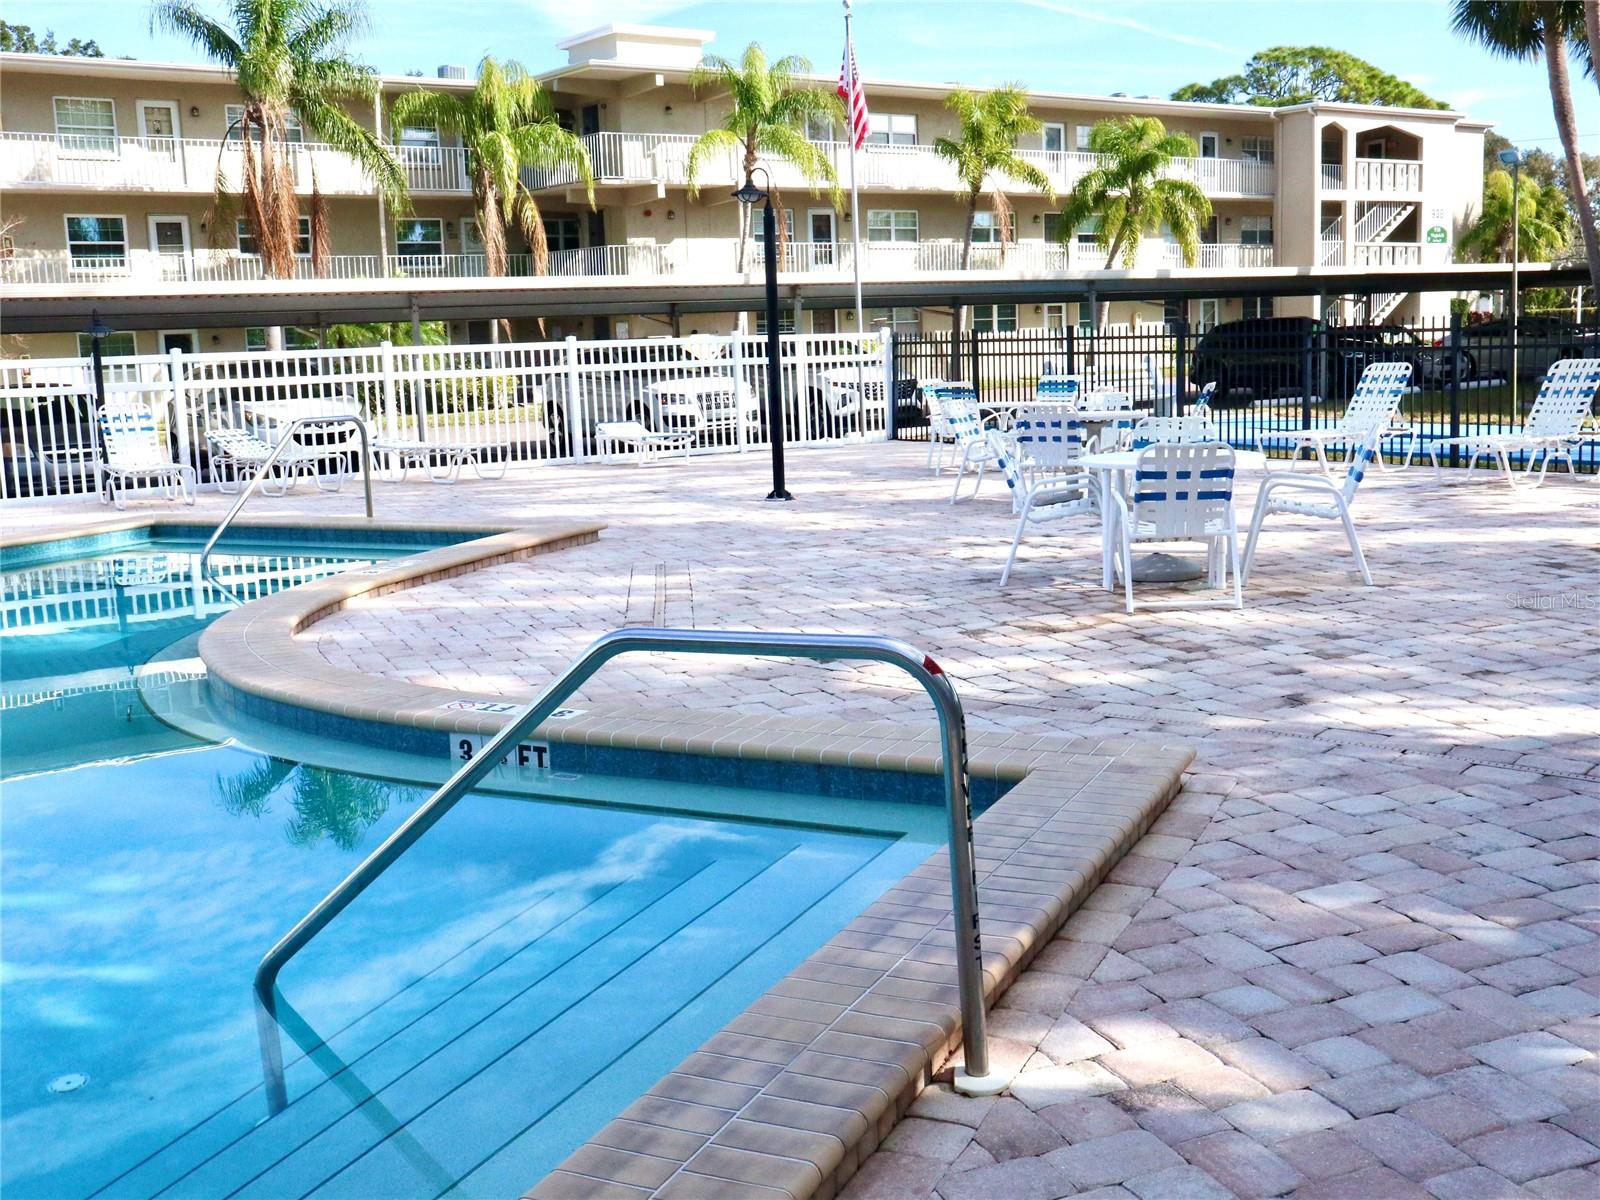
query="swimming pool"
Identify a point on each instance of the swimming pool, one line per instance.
(524, 972)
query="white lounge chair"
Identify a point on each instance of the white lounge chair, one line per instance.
(1553, 428)
(133, 449)
(1181, 493)
(236, 454)
(615, 438)
(1040, 501)
(1314, 496)
(940, 436)
(1375, 404)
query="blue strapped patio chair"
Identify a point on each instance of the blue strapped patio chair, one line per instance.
(1375, 404)
(1039, 501)
(1059, 389)
(1181, 493)
(134, 449)
(1315, 496)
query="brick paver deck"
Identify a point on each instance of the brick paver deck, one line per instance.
(1358, 961)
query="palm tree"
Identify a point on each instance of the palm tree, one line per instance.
(986, 147)
(287, 57)
(507, 122)
(1130, 193)
(769, 113)
(325, 803)
(1526, 29)
(1542, 222)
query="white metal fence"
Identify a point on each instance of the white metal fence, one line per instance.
(518, 402)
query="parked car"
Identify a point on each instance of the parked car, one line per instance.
(1485, 348)
(1256, 358)
(836, 406)
(1351, 349)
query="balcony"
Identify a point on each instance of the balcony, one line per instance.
(1388, 175)
(226, 266)
(1333, 177)
(640, 158)
(1386, 254)
(42, 160)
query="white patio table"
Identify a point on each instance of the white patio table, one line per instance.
(1113, 468)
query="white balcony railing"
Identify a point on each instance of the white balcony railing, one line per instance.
(1386, 254)
(1388, 175)
(1333, 176)
(664, 158)
(41, 160)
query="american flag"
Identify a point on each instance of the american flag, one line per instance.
(850, 91)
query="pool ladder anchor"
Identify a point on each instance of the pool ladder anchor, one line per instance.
(975, 1077)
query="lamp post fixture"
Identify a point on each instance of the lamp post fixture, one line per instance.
(750, 195)
(1513, 159)
(98, 331)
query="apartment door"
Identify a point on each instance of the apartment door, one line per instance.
(823, 233)
(1210, 151)
(158, 125)
(1054, 137)
(169, 242)
(185, 340)
(589, 119)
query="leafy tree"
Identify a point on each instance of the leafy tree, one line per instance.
(1286, 75)
(506, 122)
(287, 56)
(1130, 193)
(1527, 30)
(20, 39)
(1542, 224)
(983, 151)
(769, 113)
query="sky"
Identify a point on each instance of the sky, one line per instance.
(1142, 47)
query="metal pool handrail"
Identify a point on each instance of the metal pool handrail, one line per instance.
(819, 646)
(261, 471)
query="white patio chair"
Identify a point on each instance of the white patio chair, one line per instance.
(614, 438)
(1314, 496)
(1147, 431)
(941, 439)
(1059, 389)
(236, 455)
(969, 429)
(1181, 493)
(1046, 442)
(1553, 428)
(1375, 404)
(133, 448)
(1040, 501)
(1202, 402)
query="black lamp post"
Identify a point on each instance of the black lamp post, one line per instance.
(98, 332)
(1513, 159)
(751, 195)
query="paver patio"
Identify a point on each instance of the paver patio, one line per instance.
(1357, 956)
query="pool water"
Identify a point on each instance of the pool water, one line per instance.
(524, 972)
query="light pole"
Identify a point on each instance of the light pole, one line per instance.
(750, 195)
(1513, 159)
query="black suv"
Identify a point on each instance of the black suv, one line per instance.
(1253, 359)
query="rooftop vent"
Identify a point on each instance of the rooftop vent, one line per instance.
(452, 72)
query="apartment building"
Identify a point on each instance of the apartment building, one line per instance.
(107, 169)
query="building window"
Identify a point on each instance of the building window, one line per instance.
(97, 241)
(113, 345)
(1082, 133)
(86, 125)
(247, 239)
(895, 320)
(294, 338)
(892, 129)
(785, 320)
(1255, 231)
(892, 225)
(818, 129)
(420, 143)
(994, 318)
(1055, 318)
(1054, 139)
(1209, 310)
(419, 237)
(561, 233)
(986, 228)
(1089, 232)
(293, 131)
(1254, 307)
(1256, 149)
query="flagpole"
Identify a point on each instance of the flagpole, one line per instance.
(855, 196)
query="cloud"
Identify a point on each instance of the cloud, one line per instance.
(576, 16)
(1100, 17)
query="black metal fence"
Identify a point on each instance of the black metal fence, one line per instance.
(1271, 375)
